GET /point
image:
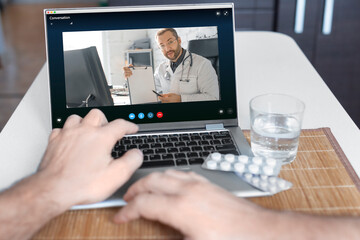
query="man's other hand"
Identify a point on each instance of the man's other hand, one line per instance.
(194, 206)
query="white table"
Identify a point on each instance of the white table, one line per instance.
(267, 62)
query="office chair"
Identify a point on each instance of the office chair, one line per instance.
(207, 48)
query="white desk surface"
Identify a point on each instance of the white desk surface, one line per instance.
(267, 62)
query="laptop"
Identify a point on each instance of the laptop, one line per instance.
(175, 134)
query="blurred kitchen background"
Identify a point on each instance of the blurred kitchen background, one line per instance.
(328, 32)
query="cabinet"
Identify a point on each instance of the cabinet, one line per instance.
(331, 41)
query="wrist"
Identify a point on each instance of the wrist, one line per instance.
(42, 190)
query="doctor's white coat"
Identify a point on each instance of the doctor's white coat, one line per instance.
(201, 85)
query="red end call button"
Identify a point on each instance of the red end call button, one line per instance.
(159, 114)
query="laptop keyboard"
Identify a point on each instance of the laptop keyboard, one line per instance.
(166, 150)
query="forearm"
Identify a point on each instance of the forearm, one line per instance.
(302, 226)
(26, 207)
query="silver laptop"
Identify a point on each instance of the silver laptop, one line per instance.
(190, 49)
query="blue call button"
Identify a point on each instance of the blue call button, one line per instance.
(132, 116)
(150, 115)
(141, 115)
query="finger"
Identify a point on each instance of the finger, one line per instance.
(124, 167)
(190, 176)
(159, 183)
(54, 133)
(95, 118)
(72, 120)
(116, 129)
(147, 205)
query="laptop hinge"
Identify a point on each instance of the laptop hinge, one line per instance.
(217, 126)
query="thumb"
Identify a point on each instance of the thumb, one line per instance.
(124, 167)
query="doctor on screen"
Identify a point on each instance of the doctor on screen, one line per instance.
(185, 76)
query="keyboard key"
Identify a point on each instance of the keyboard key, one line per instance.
(160, 150)
(180, 162)
(148, 151)
(156, 145)
(209, 148)
(167, 156)
(192, 154)
(162, 140)
(193, 143)
(150, 140)
(184, 149)
(215, 142)
(207, 137)
(119, 148)
(146, 158)
(144, 146)
(204, 154)
(154, 157)
(179, 155)
(168, 145)
(204, 142)
(131, 146)
(221, 136)
(166, 163)
(173, 139)
(137, 141)
(227, 141)
(173, 150)
(179, 144)
(184, 139)
(196, 161)
(225, 132)
(114, 154)
(226, 147)
(235, 152)
(196, 149)
(195, 138)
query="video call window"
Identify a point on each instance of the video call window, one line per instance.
(143, 66)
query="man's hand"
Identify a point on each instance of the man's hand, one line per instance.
(77, 168)
(170, 98)
(189, 203)
(78, 162)
(127, 71)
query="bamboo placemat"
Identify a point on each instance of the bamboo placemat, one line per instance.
(324, 183)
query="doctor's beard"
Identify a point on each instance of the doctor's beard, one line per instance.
(176, 53)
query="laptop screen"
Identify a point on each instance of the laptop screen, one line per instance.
(148, 64)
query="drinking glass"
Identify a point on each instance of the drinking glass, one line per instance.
(275, 121)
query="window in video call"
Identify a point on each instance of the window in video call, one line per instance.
(141, 66)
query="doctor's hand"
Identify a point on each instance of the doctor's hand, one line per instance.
(170, 98)
(127, 71)
(78, 167)
(194, 206)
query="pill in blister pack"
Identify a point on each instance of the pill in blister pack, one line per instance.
(242, 164)
(256, 171)
(265, 183)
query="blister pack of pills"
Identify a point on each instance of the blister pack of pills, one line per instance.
(257, 171)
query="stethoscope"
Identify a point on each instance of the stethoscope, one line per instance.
(167, 74)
